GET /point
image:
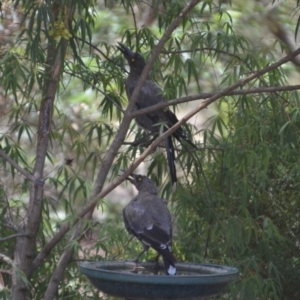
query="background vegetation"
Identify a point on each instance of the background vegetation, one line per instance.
(65, 131)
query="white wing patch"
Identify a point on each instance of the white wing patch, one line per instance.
(149, 227)
(163, 246)
(171, 270)
(146, 243)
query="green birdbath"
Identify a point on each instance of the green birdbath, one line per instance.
(147, 281)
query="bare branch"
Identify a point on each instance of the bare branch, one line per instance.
(13, 236)
(161, 105)
(16, 166)
(6, 259)
(201, 49)
(9, 210)
(98, 89)
(9, 224)
(101, 52)
(26, 247)
(5, 271)
(175, 148)
(134, 20)
(63, 262)
(57, 275)
(282, 33)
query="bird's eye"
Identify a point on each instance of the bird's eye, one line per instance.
(140, 179)
(133, 60)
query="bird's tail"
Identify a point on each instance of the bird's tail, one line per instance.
(179, 133)
(169, 266)
(171, 158)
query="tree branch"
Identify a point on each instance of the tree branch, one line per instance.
(201, 49)
(57, 275)
(16, 166)
(281, 32)
(99, 90)
(13, 236)
(5, 271)
(25, 247)
(6, 259)
(9, 224)
(186, 99)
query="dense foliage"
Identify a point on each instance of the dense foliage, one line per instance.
(62, 102)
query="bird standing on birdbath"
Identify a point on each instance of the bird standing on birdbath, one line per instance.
(148, 219)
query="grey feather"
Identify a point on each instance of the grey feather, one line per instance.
(149, 95)
(147, 217)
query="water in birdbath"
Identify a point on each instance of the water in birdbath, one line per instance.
(141, 270)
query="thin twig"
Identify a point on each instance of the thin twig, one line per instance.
(16, 166)
(134, 21)
(8, 209)
(200, 49)
(99, 90)
(9, 224)
(5, 271)
(6, 259)
(13, 236)
(101, 52)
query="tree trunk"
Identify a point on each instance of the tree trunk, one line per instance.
(25, 249)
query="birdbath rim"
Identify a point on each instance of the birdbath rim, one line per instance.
(116, 278)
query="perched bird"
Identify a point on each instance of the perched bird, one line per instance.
(148, 219)
(149, 95)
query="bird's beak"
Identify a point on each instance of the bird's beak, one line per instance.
(126, 51)
(130, 177)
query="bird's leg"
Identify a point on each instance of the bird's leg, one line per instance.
(156, 264)
(136, 259)
(147, 144)
(145, 249)
(155, 260)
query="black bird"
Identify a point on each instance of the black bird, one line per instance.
(149, 95)
(148, 219)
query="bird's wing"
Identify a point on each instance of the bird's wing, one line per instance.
(179, 133)
(146, 217)
(149, 95)
(126, 221)
(158, 239)
(150, 91)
